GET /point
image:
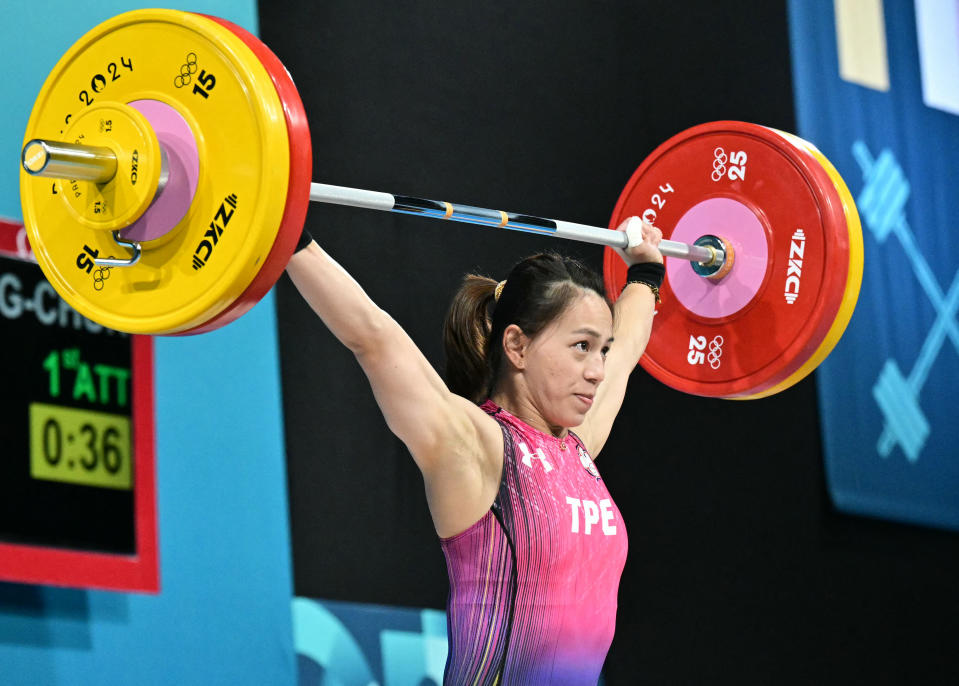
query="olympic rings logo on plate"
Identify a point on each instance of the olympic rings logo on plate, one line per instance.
(719, 164)
(186, 70)
(100, 274)
(715, 352)
(697, 344)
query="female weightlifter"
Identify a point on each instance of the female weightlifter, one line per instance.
(534, 544)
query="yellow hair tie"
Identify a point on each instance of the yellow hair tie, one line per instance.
(499, 290)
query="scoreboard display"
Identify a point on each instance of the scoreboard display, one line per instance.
(77, 501)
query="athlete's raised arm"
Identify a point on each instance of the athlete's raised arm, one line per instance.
(632, 325)
(453, 442)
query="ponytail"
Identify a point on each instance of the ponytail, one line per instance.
(466, 337)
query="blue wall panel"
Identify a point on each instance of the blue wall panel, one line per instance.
(353, 643)
(888, 392)
(223, 614)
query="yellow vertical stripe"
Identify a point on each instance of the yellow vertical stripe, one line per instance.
(489, 567)
(861, 43)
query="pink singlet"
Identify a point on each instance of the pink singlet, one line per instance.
(533, 583)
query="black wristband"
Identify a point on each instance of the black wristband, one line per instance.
(649, 273)
(305, 240)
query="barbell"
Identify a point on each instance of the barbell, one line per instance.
(166, 174)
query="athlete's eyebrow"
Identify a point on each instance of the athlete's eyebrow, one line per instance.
(594, 333)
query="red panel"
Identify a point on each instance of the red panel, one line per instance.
(13, 239)
(139, 572)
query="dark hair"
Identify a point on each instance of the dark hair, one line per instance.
(537, 291)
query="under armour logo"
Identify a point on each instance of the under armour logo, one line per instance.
(539, 455)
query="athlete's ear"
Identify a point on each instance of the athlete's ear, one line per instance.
(515, 346)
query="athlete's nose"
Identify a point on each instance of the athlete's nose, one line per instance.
(595, 370)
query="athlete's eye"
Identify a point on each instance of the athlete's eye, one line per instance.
(583, 346)
(605, 351)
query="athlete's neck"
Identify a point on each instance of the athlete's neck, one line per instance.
(523, 408)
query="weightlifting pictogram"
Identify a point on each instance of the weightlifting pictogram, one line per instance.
(882, 203)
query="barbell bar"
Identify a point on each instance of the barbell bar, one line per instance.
(201, 119)
(707, 255)
(67, 161)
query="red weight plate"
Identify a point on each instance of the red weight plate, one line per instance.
(853, 278)
(782, 213)
(298, 196)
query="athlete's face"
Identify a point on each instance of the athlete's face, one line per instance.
(565, 363)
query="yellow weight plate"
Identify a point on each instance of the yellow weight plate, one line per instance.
(218, 85)
(113, 205)
(853, 278)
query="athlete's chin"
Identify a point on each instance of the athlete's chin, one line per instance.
(570, 419)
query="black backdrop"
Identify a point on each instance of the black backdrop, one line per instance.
(739, 569)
